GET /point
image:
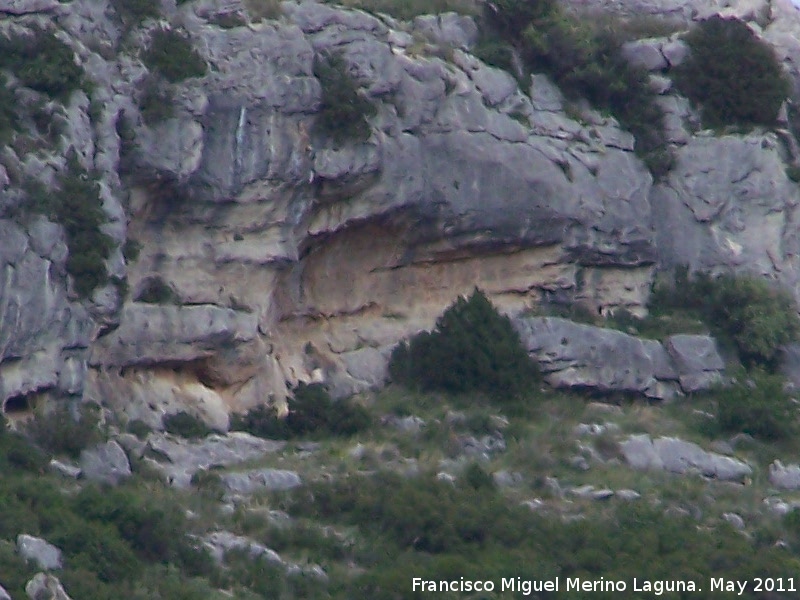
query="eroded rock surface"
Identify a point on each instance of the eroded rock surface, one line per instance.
(286, 257)
(574, 355)
(679, 456)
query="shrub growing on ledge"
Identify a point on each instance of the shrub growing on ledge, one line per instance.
(344, 111)
(758, 318)
(472, 348)
(41, 62)
(735, 77)
(171, 54)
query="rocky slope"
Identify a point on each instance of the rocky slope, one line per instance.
(285, 257)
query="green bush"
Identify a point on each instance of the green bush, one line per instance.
(735, 77)
(41, 62)
(170, 53)
(186, 425)
(344, 111)
(58, 432)
(157, 291)
(472, 348)
(156, 102)
(757, 404)
(755, 316)
(312, 412)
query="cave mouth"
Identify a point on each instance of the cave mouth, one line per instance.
(17, 406)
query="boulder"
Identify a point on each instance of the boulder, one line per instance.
(696, 360)
(582, 356)
(4, 595)
(44, 586)
(179, 459)
(106, 463)
(221, 542)
(784, 477)
(679, 456)
(249, 482)
(39, 551)
(448, 29)
(646, 53)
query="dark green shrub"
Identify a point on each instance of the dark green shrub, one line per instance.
(757, 404)
(9, 119)
(58, 432)
(156, 102)
(79, 210)
(186, 425)
(472, 348)
(735, 77)
(139, 428)
(170, 53)
(344, 111)
(134, 12)
(756, 317)
(157, 291)
(477, 478)
(41, 62)
(311, 412)
(76, 205)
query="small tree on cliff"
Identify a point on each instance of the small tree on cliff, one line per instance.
(472, 348)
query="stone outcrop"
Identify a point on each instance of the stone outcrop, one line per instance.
(179, 459)
(603, 360)
(39, 551)
(288, 257)
(679, 456)
(106, 463)
(44, 586)
(786, 477)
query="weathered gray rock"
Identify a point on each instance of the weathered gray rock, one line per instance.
(697, 361)
(448, 29)
(221, 542)
(410, 424)
(679, 456)
(506, 479)
(44, 586)
(627, 495)
(39, 551)
(785, 477)
(646, 54)
(180, 459)
(22, 7)
(735, 520)
(4, 595)
(257, 480)
(106, 463)
(574, 355)
(65, 469)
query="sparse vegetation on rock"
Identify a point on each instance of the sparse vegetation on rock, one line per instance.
(344, 111)
(41, 62)
(758, 318)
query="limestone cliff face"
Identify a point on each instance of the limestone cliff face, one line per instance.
(290, 259)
